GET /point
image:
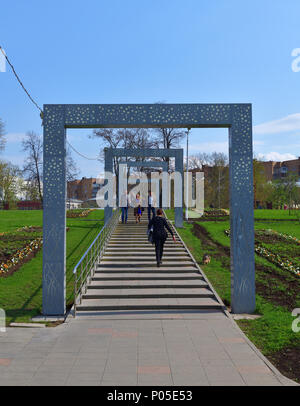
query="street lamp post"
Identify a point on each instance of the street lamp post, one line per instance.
(187, 175)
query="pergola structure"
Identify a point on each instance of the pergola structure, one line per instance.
(146, 164)
(236, 117)
(110, 153)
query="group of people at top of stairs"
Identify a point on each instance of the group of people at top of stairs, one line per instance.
(126, 202)
(156, 223)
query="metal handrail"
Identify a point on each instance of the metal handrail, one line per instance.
(89, 260)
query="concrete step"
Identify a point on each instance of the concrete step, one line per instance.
(132, 222)
(129, 259)
(125, 244)
(136, 253)
(150, 248)
(150, 263)
(136, 227)
(147, 293)
(145, 269)
(148, 314)
(130, 239)
(124, 277)
(146, 248)
(149, 304)
(137, 237)
(131, 231)
(147, 284)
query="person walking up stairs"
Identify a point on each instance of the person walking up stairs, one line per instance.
(127, 277)
(159, 234)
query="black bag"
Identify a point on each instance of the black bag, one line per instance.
(150, 236)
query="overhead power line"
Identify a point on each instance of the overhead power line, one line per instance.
(83, 156)
(20, 82)
(37, 106)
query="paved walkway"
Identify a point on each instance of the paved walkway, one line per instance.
(139, 325)
(140, 348)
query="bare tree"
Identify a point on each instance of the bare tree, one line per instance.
(218, 179)
(198, 160)
(2, 137)
(138, 138)
(72, 171)
(33, 165)
(168, 138)
(133, 138)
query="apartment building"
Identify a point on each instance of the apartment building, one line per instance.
(82, 189)
(276, 170)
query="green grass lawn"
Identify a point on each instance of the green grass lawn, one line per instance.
(276, 214)
(261, 214)
(278, 291)
(10, 220)
(21, 293)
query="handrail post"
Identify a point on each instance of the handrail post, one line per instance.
(75, 289)
(80, 281)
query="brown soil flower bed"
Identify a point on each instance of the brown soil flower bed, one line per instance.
(283, 360)
(269, 238)
(286, 297)
(201, 233)
(216, 213)
(31, 229)
(76, 214)
(20, 263)
(15, 237)
(204, 218)
(6, 258)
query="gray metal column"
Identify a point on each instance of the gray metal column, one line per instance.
(241, 210)
(179, 168)
(108, 167)
(54, 213)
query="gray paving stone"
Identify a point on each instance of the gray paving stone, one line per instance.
(20, 376)
(194, 376)
(119, 379)
(152, 380)
(58, 361)
(78, 382)
(48, 382)
(223, 376)
(14, 382)
(259, 380)
(28, 368)
(85, 377)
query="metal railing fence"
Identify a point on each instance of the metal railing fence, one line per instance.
(85, 268)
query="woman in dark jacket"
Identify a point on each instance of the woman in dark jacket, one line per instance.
(160, 235)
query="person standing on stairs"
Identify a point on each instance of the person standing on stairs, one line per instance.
(124, 206)
(137, 209)
(151, 208)
(159, 224)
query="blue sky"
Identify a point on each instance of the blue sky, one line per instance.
(116, 51)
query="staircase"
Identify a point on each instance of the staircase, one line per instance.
(127, 277)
